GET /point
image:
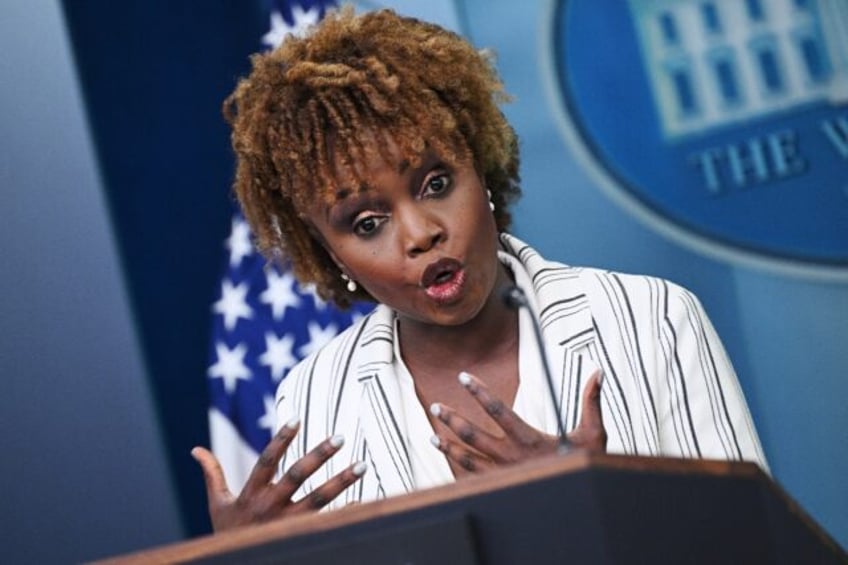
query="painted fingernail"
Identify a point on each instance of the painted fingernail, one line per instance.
(293, 423)
(337, 440)
(360, 468)
(435, 409)
(435, 441)
(464, 379)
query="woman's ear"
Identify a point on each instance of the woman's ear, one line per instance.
(335, 259)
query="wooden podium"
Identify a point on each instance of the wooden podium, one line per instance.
(577, 508)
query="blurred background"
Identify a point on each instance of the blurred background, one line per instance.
(115, 170)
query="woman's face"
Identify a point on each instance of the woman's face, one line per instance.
(421, 240)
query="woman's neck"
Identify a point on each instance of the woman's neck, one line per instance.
(492, 330)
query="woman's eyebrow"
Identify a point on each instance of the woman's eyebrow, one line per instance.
(339, 211)
(427, 159)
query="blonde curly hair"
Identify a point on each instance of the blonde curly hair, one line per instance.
(305, 111)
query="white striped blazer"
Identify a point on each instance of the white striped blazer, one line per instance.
(669, 388)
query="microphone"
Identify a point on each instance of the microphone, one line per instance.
(515, 299)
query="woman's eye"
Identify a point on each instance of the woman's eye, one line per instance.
(437, 184)
(366, 226)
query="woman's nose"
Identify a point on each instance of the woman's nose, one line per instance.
(422, 232)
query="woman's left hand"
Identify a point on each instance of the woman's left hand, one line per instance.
(477, 450)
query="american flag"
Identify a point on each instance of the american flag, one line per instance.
(264, 320)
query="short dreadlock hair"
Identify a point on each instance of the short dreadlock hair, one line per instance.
(306, 109)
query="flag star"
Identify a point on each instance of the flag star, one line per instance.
(318, 337)
(303, 19)
(280, 293)
(278, 31)
(230, 366)
(268, 418)
(239, 242)
(232, 304)
(278, 354)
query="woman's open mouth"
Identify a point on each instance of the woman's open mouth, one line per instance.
(443, 280)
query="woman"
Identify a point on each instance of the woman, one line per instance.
(372, 154)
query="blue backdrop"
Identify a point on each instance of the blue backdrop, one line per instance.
(116, 167)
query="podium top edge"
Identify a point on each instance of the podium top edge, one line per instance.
(502, 478)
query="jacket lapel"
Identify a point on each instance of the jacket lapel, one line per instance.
(562, 309)
(380, 402)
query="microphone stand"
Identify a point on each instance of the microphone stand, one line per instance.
(515, 298)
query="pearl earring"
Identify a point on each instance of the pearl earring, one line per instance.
(491, 204)
(351, 284)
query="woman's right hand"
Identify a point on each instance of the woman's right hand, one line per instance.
(261, 499)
